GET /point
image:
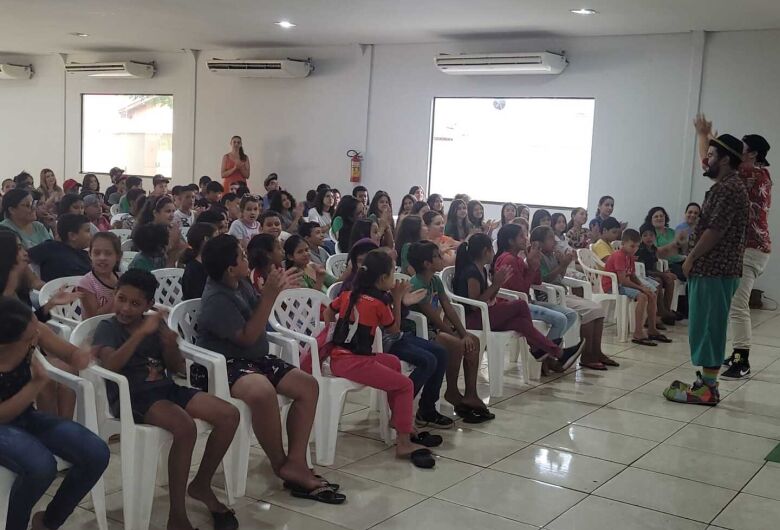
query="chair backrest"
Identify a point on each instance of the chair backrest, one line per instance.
(83, 333)
(70, 312)
(334, 290)
(617, 245)
(114, 209)
(284, 236)
(400, 276)
(127, 244)
(127, 258)
(589, 263)
(447, 276)
(169, 292)
(183, 319)
(122, 233)
(336, 265)
(299, 310)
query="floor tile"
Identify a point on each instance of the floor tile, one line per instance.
(363, 423)
(547, 406)
(596, 513)
(657, 406)
(518, 426)
(513, 497)
(656, 355)
(580, 391)
(765, 484)
(755, 397)
(673, 495)
(744, 422)
(350, 448)
(599, 444)
(435, 514)
(256, 517)
(748, 512)
(562, 468)
(631, 424)
(723, 471)
(368, 502)
(725, 443)
(477, 448)
(386, 468)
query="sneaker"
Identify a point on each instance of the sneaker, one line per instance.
(433, 419)
(700, 393)
(728, 360)
(738, 368)
(571, 354)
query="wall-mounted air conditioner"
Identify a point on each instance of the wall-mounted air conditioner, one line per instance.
(268, 68)
(501, 63)
(119, 69)
(15, 71)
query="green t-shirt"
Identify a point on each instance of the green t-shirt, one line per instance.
(405, 257)
(124, 205)
(434, 290)
(338, 222)
(665, 237)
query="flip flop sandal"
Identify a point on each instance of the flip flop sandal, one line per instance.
(322, 494)
(224, 520)
(594, 366)
(644, 342)
(483, 413)
(660, 338)
(422, 458)
(332, 485)
(609, 361)
(427, 439)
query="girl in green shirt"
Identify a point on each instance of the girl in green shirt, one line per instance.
(296, 254)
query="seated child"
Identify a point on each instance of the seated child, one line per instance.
(312, 234)
(410, 230)
(471, 281)
(359, 313)
(553, 268)
(93, 209)
(185, 202)
(98, 285)
(247, 226)
(448, 331)
(232, 321)
(193, 280)
(666, 280)
(232, 204)
(30, 439)
(66, 257)
(610, 232)
(154, 252)
(576, 233)
(296, 254)
(621, 262)
(271, 223)
(143, 349)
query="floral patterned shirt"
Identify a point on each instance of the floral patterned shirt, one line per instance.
(578, 237)
(759, 189)
(725, 209)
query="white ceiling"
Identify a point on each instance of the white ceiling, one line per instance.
(43, 26)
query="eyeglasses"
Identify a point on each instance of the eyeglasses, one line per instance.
(249, 195)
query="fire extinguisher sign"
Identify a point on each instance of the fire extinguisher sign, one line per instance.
(355, 160)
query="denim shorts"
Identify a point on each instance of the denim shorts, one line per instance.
(650, 283)
(629, 292)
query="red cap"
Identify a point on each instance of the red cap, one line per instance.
(70, 184)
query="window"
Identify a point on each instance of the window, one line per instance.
(529, 150)
(133, 132)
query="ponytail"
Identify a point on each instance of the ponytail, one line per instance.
(376, 264)
(506, 234)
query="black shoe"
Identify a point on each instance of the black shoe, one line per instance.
(739, 368)
(433, 419)
(728, 360)
(669, 320)
(571, 354)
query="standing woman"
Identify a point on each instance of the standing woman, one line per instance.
(19, 215)
(235, 164)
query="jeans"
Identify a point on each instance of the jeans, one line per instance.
(430, 363)
(27, 447)
(753, 265)
(559, 318)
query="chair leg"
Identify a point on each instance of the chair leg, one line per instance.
(236, 461)
(326, 424)
(99, 503)
(385, 430)
(139, 489)
(495, 355)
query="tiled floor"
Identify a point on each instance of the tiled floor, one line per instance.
(582, 451)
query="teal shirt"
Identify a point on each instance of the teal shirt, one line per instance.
(405, 257)
(433, 290)
(29, 240)
(665, 237)
(147, 263)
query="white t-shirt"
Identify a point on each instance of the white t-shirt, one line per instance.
(242, 232)
(322, 218)
(184, 220)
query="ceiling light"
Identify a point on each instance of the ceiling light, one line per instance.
(82, 35)
(286, 24)
(584, 11)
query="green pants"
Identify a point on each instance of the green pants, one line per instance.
(709, 302)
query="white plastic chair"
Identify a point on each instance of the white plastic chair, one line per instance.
(127, 244)
(622, 305)
(114, 210)
(85, 415)
(495, 343)
(336, 265)
(679, 287)
(296, 314)
(169, 291)
(140, 445)
(127, 258)
(284, 236)
(63, 317)
(183, 319)
(123, 233)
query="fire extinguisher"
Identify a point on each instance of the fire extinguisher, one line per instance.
(355, 160)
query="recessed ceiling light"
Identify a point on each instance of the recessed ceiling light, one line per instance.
(286, 24)
(77, 34)
(584, 11)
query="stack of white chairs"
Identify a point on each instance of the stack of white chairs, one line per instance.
(85, 415)
(140, 445)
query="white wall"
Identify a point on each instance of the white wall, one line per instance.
(646, 90)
